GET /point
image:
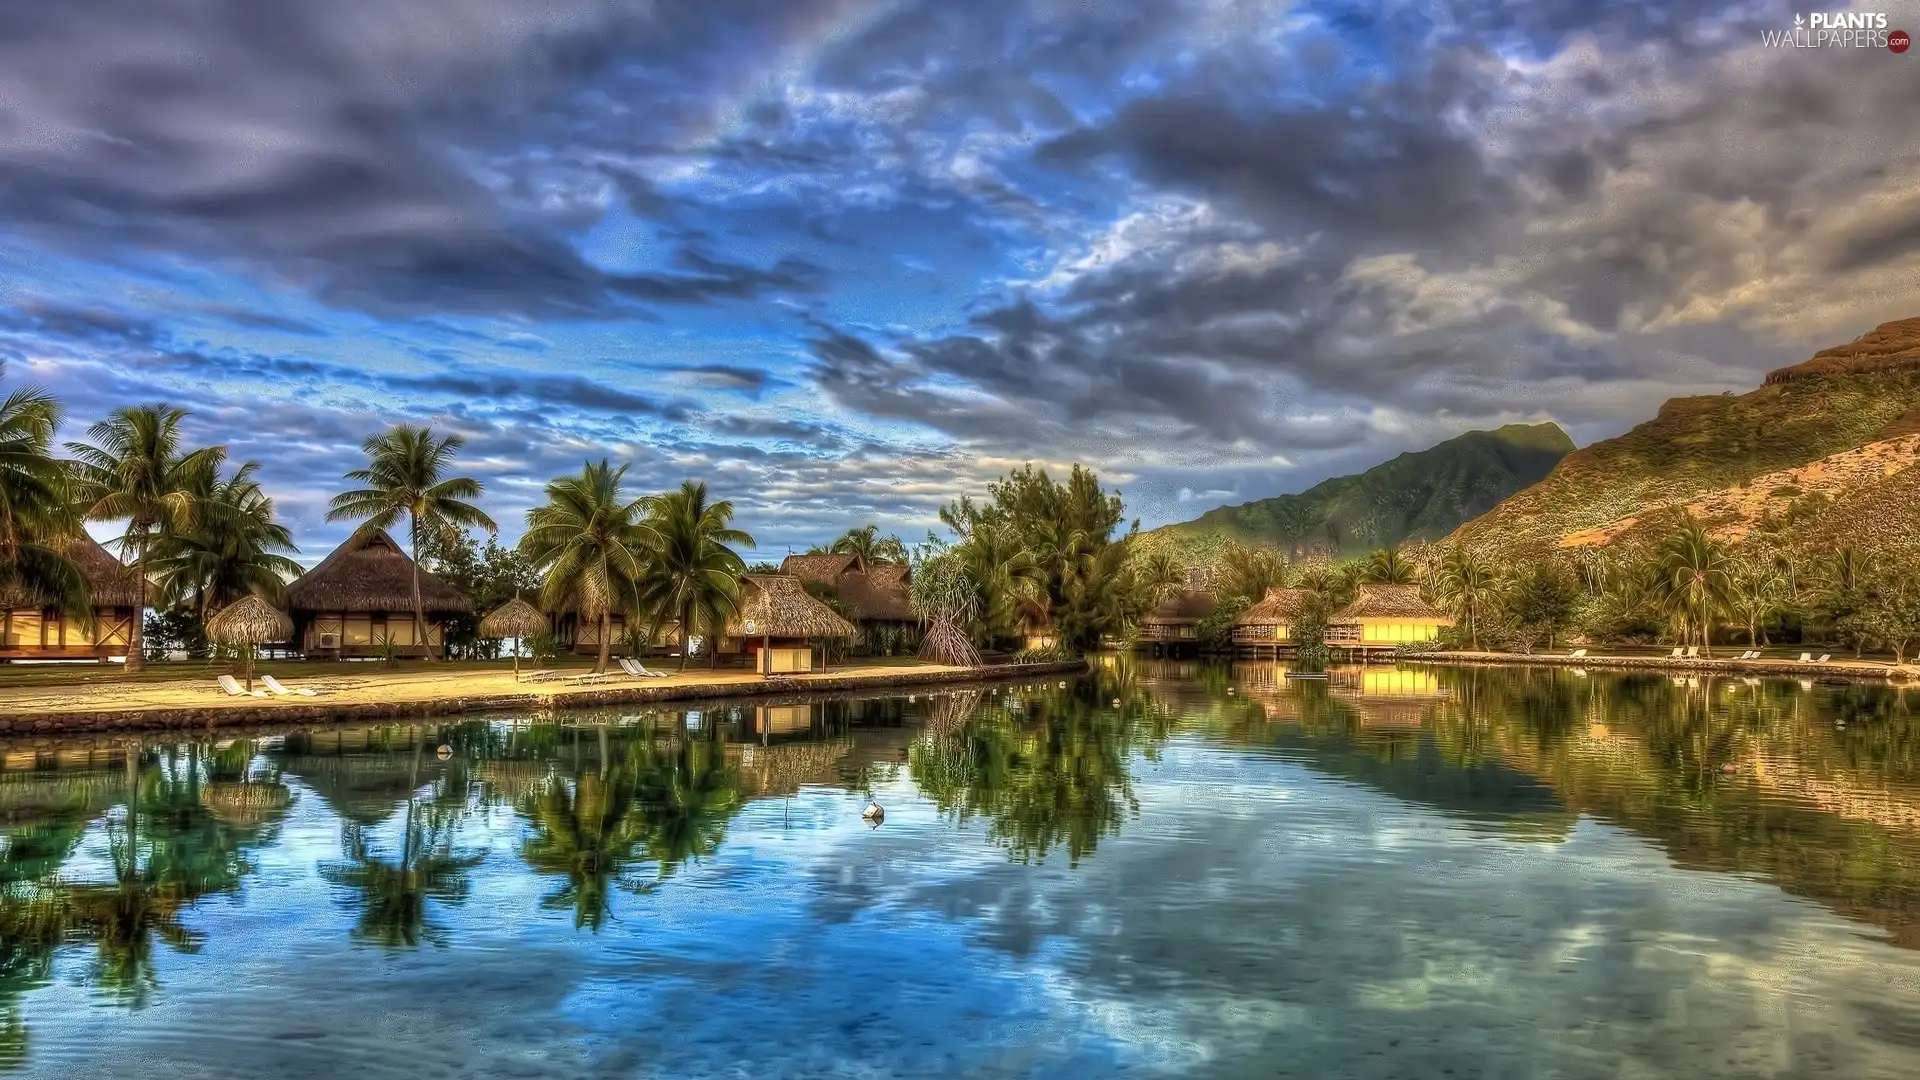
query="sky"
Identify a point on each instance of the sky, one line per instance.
(845, 260)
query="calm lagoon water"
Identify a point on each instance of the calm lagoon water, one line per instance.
(1397, 873)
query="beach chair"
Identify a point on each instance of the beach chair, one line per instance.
(1806, 658)
(233, 688)
(1693, 652)
(586, 677)
(1824, 657)
(641, 671)
(1577, 653)
(1675, 655)
(279, 690)
(543, 675)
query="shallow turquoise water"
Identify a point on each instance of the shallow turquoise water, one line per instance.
(1400, 874)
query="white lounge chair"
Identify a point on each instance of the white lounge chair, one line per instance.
(1806, 658)
(1675, 655)
(1824, 657)
(233, 688)
(586, 677)
(639, 670)
(1577, 653)
(1693, 652)
(274, 685)
(543, 675)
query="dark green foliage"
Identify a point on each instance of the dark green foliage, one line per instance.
(167, 631)
(1538, 605)
(1416, 496)
(489, 576)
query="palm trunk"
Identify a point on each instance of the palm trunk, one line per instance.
(136, 659)
(419, 609)
(686, 636)
(606, 643)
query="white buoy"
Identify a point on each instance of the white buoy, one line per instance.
(874, 813)
(444, 752)
(1116, 703)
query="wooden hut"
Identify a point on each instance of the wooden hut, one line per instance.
(1175, 624)
(360, 598)
(1266, 627)
(876, 595)
(32, 629)
(1384, 617)
(778, 623)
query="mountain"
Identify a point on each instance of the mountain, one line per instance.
(1416, 496)
(1823, 453)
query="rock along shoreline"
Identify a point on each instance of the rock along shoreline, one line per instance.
(281, 712)
(1845, 669)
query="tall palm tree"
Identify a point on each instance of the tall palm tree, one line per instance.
(1696, 581)
(695, 575)
(406, 476)
(1250, 571)
(1759, 592)
(1006, 576)
(591, 544)
(227, 556)
(1467, 585)
(1386, 566)
(36, 507)
(392, 895)
(867, 543)
(135, 471)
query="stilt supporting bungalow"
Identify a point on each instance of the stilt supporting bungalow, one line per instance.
(358, 603)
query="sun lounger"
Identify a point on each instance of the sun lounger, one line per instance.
(1577, 653)
(274, 685)
(1675, 655)
(543, 675)
(586, 677)
(1806, 658)
(1824, 657)
(640, 671)
(233, 688)
(1693, 652)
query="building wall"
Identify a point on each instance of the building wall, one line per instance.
(1260, 634)
(361, 633)
(1384, 631)
(31, 634)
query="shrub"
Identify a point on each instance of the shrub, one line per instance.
(1043, 654)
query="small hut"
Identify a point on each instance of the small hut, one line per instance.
(1175, 625)
(1268, 625)
(514, 619)
(359, 600)
(778, 621)
(1384, 617)
(249, 623)
(33, 629)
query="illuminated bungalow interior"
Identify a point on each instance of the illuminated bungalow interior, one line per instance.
(1386, 616)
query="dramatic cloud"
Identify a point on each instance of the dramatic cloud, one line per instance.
(847, 258)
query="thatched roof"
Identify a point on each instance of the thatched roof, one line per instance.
(1277, 607)
(869, 590)
(778, 605)
(370, 572)
(515, 619)
(111, 582)
(1390, 602)
(249, 621)
(1185, 606)
(819, 569)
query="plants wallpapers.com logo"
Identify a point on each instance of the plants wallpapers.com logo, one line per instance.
(1839, 30)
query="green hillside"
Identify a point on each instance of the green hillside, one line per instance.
(1845, 397)
(1416, 496)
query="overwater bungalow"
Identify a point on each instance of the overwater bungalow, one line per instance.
(778, 624)
(34, 630)
(1265, 629)
(874, 594)
(1174, 626)
(359, 600)
(1384, 617)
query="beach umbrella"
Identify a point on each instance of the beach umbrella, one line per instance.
(250, 622)
(516, 619)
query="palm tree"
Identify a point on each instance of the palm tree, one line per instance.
(1466, 585)
(227, 556)
(592, 545)
(135, 471)
(1249, 572)
(392, 895)
(1759, 592)
(587, 832)
(36, 505)
(1387, 566)
(406, 477)
(1006, 577)
(867, 543)
(1696, 581)
(695, 574)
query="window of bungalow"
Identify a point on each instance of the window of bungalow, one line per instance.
(24, 629)
(400, 629)
(357, 630)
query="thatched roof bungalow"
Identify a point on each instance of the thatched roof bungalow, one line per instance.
(778, 622)
(875, 595)
(1177, 620)
(360, 598)
(1270, 621)
(1386, 616)
(33, 629)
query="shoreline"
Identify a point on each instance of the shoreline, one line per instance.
(1844, 669)
(305, 711)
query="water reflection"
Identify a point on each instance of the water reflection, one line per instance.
(1161, 833)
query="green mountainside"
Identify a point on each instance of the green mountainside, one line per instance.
(1708, 455)
(1417, 496)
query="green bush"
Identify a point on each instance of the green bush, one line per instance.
(1043, 654)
